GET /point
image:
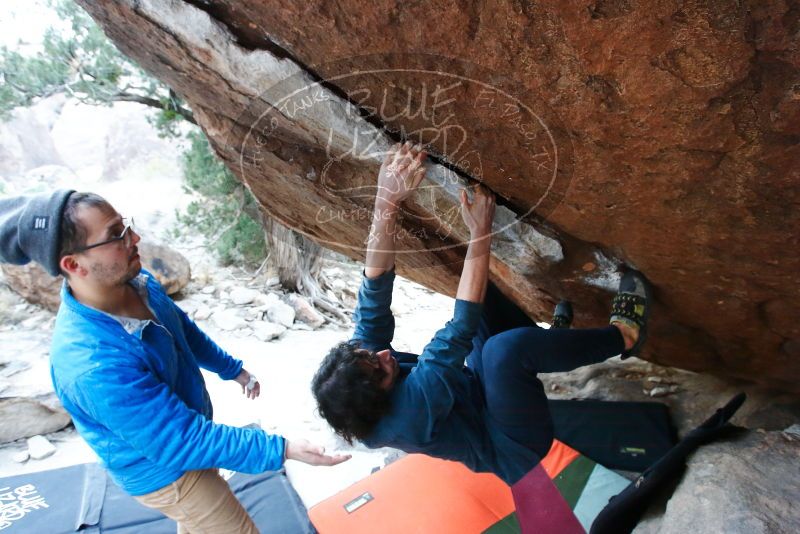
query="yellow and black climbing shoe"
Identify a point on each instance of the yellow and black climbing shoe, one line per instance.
(562, 315)
(631, 306)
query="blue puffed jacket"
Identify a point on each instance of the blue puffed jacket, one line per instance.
(139, 400)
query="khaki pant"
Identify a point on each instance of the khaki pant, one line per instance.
(201, 502)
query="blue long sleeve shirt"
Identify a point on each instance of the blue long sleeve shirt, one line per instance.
(437, 406)
(138, 398)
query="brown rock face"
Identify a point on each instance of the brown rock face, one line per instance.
(747, 484)
(23, 417)
(665, 136)
(169, 266)
(34, 284)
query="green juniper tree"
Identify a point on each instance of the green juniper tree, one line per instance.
(84, 64)
(229, 215)
(298, 260)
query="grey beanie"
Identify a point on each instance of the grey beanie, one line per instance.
(30, 229)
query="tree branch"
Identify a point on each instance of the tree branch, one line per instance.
(154, 103)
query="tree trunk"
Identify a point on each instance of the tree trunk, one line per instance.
(297, 258)
(299, 261)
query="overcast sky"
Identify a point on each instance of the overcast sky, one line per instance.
(26, 21)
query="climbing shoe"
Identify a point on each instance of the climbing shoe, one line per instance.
(562, 315)
(631, 306)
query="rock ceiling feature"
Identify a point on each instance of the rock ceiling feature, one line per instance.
(662, 136)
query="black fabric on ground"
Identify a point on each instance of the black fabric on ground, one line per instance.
(619, 435)
(625, 510)
(83, 498)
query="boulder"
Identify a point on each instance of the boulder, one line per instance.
(304, 311)
(691, 397)
(281, 313)
(749, 485)
(202, 313)
(265, 300)
(107, 143)
(25, 140)
(267, 331)
(38, 287)
(34, 284)
(228, 320)
(208, 290)
(242, 296)
(661, 136)
(12, 154)
(132, 144)
(50, 177)
(22, 417)
(169, 266)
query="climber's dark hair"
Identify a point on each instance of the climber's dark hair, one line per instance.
(348, 393)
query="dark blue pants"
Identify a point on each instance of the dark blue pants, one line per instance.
(508, 353)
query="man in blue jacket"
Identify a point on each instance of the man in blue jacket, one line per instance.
(125, 362)
(490, 414)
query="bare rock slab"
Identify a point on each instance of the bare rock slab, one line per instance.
(750, 485)
(25, 417)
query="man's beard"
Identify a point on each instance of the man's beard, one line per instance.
(116, 276)
(133, 272)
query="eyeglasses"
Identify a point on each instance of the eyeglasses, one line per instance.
(125, 236)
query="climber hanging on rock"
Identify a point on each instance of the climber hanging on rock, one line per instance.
(490, 414)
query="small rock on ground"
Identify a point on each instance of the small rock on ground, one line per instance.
(39, 447)
(228, 320)
(242, 295)
(267, 331)
(281, 313)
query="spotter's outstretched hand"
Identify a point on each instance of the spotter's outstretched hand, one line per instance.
(308, 453)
